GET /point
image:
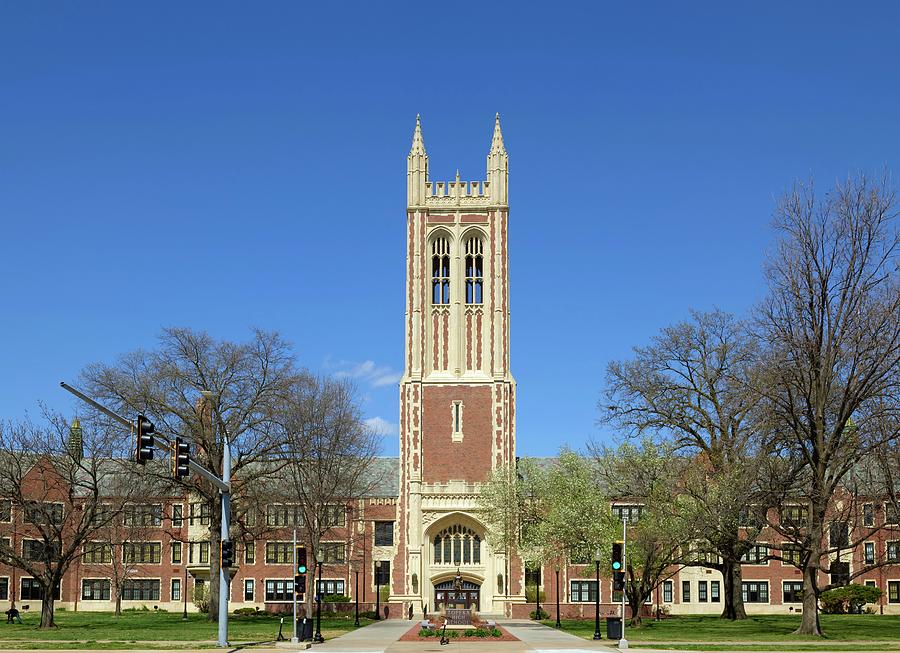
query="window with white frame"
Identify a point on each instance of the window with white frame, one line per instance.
(869, 553)
(5, 510)
(758, 554)
(43, 512)
(893, 551)
(457, 545)
(284, 514)
(176, 589)
(177, 515)
(142, 553)
(334, 516)
(792, 591)
(4, 588)
(868, 514)
(456, 414)
(143, 514)
(97, 553)
(249, 586)
(279, 553)
(893, 591)
(440, 271)
(95, 589)
(685, 591)
(384, 533)
(755, 591)
(280, 589)
(714, 593)
(631, 512)
(176, 553)
(332, 553)
(667, 591)
(583, 591)
(702, 591)
(30, 590)
(328, 587)
(140, 589)
(474, 271)
(250, 552)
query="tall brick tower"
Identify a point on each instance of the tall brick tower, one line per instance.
(457, 395)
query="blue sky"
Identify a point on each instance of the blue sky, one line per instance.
(230, 165)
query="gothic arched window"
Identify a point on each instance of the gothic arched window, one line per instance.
(474, 271)
(440, 271)
(457, 545)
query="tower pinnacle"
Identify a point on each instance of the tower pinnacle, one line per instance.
(497, 140)
(418, 143)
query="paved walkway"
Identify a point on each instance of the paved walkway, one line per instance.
(376, 637)
(538, 637)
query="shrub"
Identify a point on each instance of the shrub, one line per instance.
(529, 594)
(250, 612)
(201, 598)
(849, 599)
(535, 616)
(336, 598)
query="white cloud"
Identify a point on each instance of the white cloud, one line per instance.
(382, 426)
(376, 376)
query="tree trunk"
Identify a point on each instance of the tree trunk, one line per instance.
(809, 624)
(215, 538)
(47, 608)
(118, 604)
(635, 605)
(732, 595)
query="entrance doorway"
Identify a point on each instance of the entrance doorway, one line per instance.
(461, 598)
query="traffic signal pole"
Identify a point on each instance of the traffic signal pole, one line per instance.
(295, 639)
(223, 484)
(623, 643)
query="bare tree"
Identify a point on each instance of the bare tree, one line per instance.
(328, 453)
(207, 391)
(693, 386)
(830, 322)
(55, 479)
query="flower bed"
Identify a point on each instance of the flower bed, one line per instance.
(474, 634)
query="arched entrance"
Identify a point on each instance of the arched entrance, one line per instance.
(457, 594)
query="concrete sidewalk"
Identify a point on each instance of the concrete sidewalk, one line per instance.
(538, 637)
(374, 638)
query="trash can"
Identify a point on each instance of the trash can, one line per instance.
(614, 628)
(304, 629)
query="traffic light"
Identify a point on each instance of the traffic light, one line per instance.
(144, 440)
(300, 584)
(181, 456)
(226, 557)
(301, 560)
(618, 581)
(617, 556)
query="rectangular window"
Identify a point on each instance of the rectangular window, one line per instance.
(893, 591)
(758, 554)
(702, 595)
(838, 534)
(632, 513)
(795, 516)
(142, 553)
(685, 591)
(284, 514)
(250, 552)
(532, 575)
(334, 516)
(199, 512)
(279, 553)
(5, 548)
(43, 512)
(333, 553)
(868, 514)
(869, 553)
(790, 555)
(102, 516)
(204, 553)
(95, 589)
(583, 591)
(667, 591)
(176, 589)
(30, 590)
(893, 551)
(714, 591)
(140, 590)
(331, 587)
(5, 510)
(38, 551)
(755, 591)
(143, 514)
(793, 591)
(248, 589)
(840, 573)
(384, 533)
(177, 515)
(176, 553)
(4, 589)
(98, 553)
(891, 514)
(280, 590)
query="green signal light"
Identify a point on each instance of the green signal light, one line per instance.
(617, 565)
(301, 569)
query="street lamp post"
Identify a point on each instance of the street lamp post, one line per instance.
(184, 594)
(537, 595)
(558, 624)
(356, 597)
(597, 634)
(320, 558)
(378, 590)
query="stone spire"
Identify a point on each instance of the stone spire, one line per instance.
(416, 168)
(498, 166)
(76, 441)
(497, 140)
(418, 143)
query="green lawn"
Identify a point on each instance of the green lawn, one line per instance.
(105, 630)
(768, 628)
